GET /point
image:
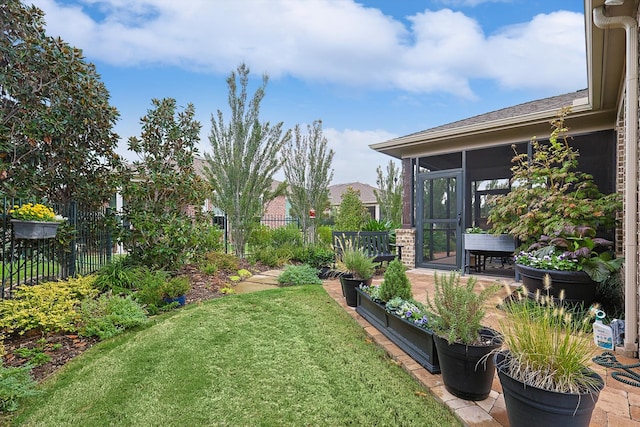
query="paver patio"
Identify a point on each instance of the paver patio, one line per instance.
(618, 405)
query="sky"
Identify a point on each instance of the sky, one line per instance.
(371, 70)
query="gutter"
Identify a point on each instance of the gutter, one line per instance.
(630, 26)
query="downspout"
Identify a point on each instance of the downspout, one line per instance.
(631, 161)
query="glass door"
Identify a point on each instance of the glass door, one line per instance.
(439, 220)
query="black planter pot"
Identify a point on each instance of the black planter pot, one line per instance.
(529, 406)
(467, 370)
(578, 286)
(324, 273)
(349, 286)
(417, 342)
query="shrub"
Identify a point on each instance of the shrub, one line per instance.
(260, 236)
(110, 315)
(206, 238)
(395, 283)
(149, 288)
(49, 306)
(272, 257)
(289, 235)
(325, 235)
(15, 383)
(316, 256)
(175, 287)
(118, 275)
(295, 275)
(222, 261)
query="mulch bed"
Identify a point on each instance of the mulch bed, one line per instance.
(62, 347)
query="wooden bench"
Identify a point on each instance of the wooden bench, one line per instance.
(375, 244)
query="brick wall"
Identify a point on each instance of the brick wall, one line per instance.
(407, 238)
(276, 207)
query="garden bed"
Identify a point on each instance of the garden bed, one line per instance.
(62, 347)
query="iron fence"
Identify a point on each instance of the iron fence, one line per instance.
(275, 221)
(82, 245)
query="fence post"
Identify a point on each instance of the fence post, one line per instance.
(109, 248)
(73, 222)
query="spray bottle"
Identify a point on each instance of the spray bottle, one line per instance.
(602, 334)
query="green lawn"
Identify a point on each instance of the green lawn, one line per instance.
(284, 357)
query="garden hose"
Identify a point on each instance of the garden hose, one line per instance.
(608, 360)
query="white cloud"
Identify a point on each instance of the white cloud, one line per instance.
(354, 161)
(470, 3)
(340, 42)
(519, 56)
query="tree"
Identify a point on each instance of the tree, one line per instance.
(307, 170)
(244, 158)
(162, 192)
(56, 138)
(352, 213)
(549, 193)
(389, 193)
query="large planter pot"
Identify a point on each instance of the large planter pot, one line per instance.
(468, 370)
(578, 286)
(34, 229)
(349, 286)
(417, 342)
(529, 406)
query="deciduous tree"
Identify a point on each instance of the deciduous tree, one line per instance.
(389, 193)
(244, 158)
(307, 164)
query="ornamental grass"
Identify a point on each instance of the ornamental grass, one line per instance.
(549, 344)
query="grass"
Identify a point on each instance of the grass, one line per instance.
(284, 357)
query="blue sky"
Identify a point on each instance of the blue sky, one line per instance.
(371, 70)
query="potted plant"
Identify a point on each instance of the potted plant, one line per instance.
(34, 221)
(478, 239)
(549, 197)
(575, 260)
(391, 309)
(463, 344)
(175, 290)
(543, 365)
(548, 193)
(358, 270)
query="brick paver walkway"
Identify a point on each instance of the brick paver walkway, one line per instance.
(618, 405)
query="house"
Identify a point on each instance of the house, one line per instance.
(277, 212)
(367, 196)
(469, 159)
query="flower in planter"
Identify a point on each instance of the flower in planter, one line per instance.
(35, 212)
(547, 262)
(411, 311)
(573, 248)
(373, 291)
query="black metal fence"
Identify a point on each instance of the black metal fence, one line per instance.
(275, 221)
(82, 245)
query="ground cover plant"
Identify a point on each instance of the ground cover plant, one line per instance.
(289, 356)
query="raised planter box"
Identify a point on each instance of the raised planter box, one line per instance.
(417, 342)
(489, 242)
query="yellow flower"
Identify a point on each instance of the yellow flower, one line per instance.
(33, 212)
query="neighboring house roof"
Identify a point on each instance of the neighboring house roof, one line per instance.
(366, 193)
